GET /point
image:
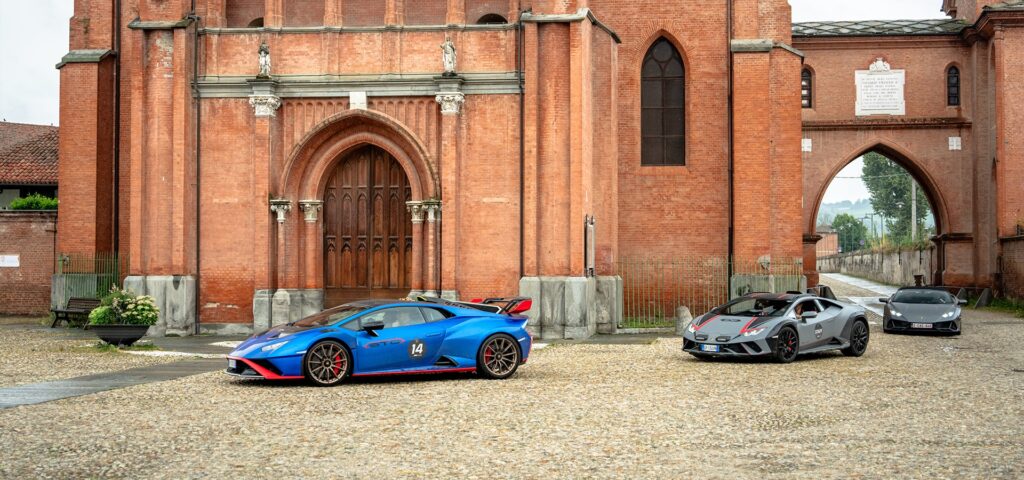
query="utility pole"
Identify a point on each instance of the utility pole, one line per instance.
(913, 210)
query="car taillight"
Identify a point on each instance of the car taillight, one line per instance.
(520, 307)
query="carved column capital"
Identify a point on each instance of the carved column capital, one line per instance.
(451, 102)
(310, 209)
(280, 206)
(433, 210)
(265, 105)
(416, 209)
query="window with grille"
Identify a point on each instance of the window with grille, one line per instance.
(806, 89)
(663, 100)
(953, 87)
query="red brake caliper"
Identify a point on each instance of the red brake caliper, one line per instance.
(337, 364)
(488, 354)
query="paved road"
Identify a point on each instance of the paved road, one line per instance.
(870, 303)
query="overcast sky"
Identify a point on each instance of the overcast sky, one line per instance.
(34, 36)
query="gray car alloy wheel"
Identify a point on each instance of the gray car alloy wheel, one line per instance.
(859, 336)
(498, 357)
(326, 363)
(787, 345)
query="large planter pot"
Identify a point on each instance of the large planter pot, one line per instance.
(119, 334)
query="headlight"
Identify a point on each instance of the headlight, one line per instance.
(690, 328)
(752, 332)
(271, 348)
(893, 312)
(949, 315)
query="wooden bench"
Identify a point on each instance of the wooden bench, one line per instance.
(77, 308)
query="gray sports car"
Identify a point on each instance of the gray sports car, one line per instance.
(779, 326)
(922, 309)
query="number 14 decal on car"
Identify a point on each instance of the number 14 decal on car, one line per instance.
(416, 349)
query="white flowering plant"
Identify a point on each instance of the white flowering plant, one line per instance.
(122, 306)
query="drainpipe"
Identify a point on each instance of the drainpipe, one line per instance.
(198, 121)
(116, 244)
(520, 41)
(732, 156)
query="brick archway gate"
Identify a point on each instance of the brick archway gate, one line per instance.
(312, 170)
(819, 176)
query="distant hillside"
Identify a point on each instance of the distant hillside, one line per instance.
(858, 209)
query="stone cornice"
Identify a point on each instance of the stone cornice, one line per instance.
(85, 56)
(886, 124)
(761, 45)
(851, 43)
(372, 29)
(307, 86)
(138, 24)
(580, 15)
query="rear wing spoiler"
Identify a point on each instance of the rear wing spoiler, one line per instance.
(505, 306)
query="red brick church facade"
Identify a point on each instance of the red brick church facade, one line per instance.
(257, 160)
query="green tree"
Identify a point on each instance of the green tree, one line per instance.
(890, 188)
(853, 235)
(34, 202)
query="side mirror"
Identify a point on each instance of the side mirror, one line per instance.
(372, 326)
(883, 299)
(961, 301)
(807, 315)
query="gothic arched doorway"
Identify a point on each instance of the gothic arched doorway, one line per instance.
(367, 230)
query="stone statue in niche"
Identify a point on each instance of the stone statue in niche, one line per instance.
(264, 61)
(448, 57)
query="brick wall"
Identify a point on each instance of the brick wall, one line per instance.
(25, 290)
(1013, 267)
(240, 12)
(303, 13)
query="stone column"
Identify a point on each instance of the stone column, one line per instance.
(451, 100)
(433, 211)
(416, 211)
(311, 235)
(265, 103)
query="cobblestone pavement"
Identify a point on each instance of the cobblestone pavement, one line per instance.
(912, 407)
(29, 354)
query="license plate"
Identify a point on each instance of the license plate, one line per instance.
(921, 325)
(709, 348)
(232, 363)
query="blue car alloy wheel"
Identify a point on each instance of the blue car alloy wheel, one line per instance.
(327, 363)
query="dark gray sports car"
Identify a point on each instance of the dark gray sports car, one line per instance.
(922, 309)
(779, 326)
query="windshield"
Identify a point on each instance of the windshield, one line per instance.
(925, 297)
(329, 316)
(755, 307)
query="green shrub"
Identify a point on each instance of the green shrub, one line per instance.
(125, 308)
(34, 202)
(102, 315)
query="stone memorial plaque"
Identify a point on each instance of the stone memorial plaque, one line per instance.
(357, 100)
(880, 90)
(10, 261)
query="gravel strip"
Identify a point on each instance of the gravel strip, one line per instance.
(32, 356)
(916, 407)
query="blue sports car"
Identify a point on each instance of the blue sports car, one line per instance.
(387, 337)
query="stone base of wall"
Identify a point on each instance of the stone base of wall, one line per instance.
(175, 295)
(284, 305)
(572, 307)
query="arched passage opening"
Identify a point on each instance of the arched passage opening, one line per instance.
(877, 199)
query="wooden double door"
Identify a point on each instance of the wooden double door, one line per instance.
(367, 228)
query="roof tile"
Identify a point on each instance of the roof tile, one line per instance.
(945, 26)
(28, 154)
